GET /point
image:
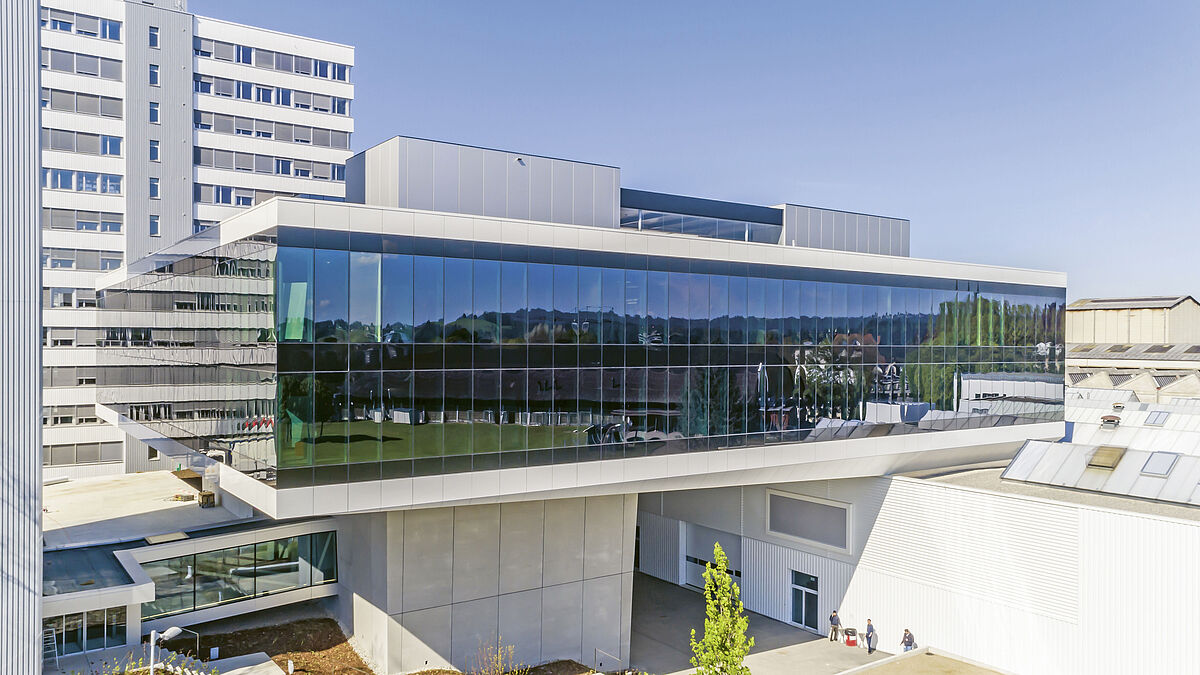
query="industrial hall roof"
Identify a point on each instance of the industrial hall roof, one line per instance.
(1148, 302)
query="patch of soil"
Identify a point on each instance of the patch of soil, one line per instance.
(313, 645)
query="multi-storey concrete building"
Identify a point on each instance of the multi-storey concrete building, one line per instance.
(472, 377)
(156, 124)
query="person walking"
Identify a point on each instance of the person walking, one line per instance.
(908, 641)
(835, 624)
(869, 637)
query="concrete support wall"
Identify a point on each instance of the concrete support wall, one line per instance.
(427, 588)
(20, 333)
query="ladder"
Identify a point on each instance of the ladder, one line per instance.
(49, 645)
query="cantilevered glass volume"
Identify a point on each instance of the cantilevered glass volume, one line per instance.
(338, 355)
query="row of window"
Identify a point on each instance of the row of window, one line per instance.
(133, 376)
(129, 337)
(429, 299)
(66, 454)
(94, 630)
(279, 166)
(81, 181)
(256, 409)
(280, 131)
(261, 93)
(69, 415)
(84, 104)
(196, 581)
(265, 58)
(80, 24)
(81, 64)
(81, 142)
(231, 196)
(81, 221)
(80, 259)
(67, 297)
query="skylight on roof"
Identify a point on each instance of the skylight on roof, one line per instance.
(1159, 463)
(1157, 418)
(1106, 457)
(1194, 349)
(1116, 349)
(1159, 349)
(1082, 348)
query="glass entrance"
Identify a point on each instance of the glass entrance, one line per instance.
(804, 600)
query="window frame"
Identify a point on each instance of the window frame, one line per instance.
(849, 507)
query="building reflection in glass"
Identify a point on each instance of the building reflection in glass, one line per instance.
(372, 356)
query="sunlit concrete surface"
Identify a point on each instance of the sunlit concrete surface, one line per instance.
(664, 614)
(122, 508)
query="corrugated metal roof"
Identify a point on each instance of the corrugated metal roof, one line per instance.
(1148, 302)
(1139, 352)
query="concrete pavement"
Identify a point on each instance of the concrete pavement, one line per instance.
(664, 614)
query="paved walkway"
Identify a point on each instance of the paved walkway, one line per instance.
(664, 614)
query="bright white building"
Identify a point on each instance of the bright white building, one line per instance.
(156, 124)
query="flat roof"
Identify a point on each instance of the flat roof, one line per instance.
(124, 508)
(1147, 302)
(989, 479)
(261, 220)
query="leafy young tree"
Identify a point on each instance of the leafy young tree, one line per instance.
(725, 643)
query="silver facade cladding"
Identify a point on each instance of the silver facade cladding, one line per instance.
(420, 174)
(20, 322)
(173, 169)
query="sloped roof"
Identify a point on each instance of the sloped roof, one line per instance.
(1111, 351)
(1148, 302)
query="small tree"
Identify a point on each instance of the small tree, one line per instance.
(725, 644)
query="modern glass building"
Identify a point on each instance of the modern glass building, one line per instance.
(346, 356)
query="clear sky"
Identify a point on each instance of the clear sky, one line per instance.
(1059, 136)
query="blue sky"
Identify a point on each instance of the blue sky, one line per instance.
(1062, 136)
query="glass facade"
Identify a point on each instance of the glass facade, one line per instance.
(196, 581)
(389, 356)
(87, 631)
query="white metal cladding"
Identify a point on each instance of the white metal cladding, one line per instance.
(969, 543)
(1139, 575)
(1126, 577)
(658, 546)
(767, 581)
(20, 328)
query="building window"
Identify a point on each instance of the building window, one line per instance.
(110, 145)
(818, 521)
(153, 38)
(154, 226)
(153, 75)
(245, 54)
(212, 578)
(153, 188)
(110, 30)
(245, 90)
(154, 151)
(153, 113)
(263, 94)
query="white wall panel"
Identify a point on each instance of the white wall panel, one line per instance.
(20, 322)
(658, 546)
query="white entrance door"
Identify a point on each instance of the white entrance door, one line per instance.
(804, 600)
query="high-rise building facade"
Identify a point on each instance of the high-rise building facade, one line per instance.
(156, 124)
